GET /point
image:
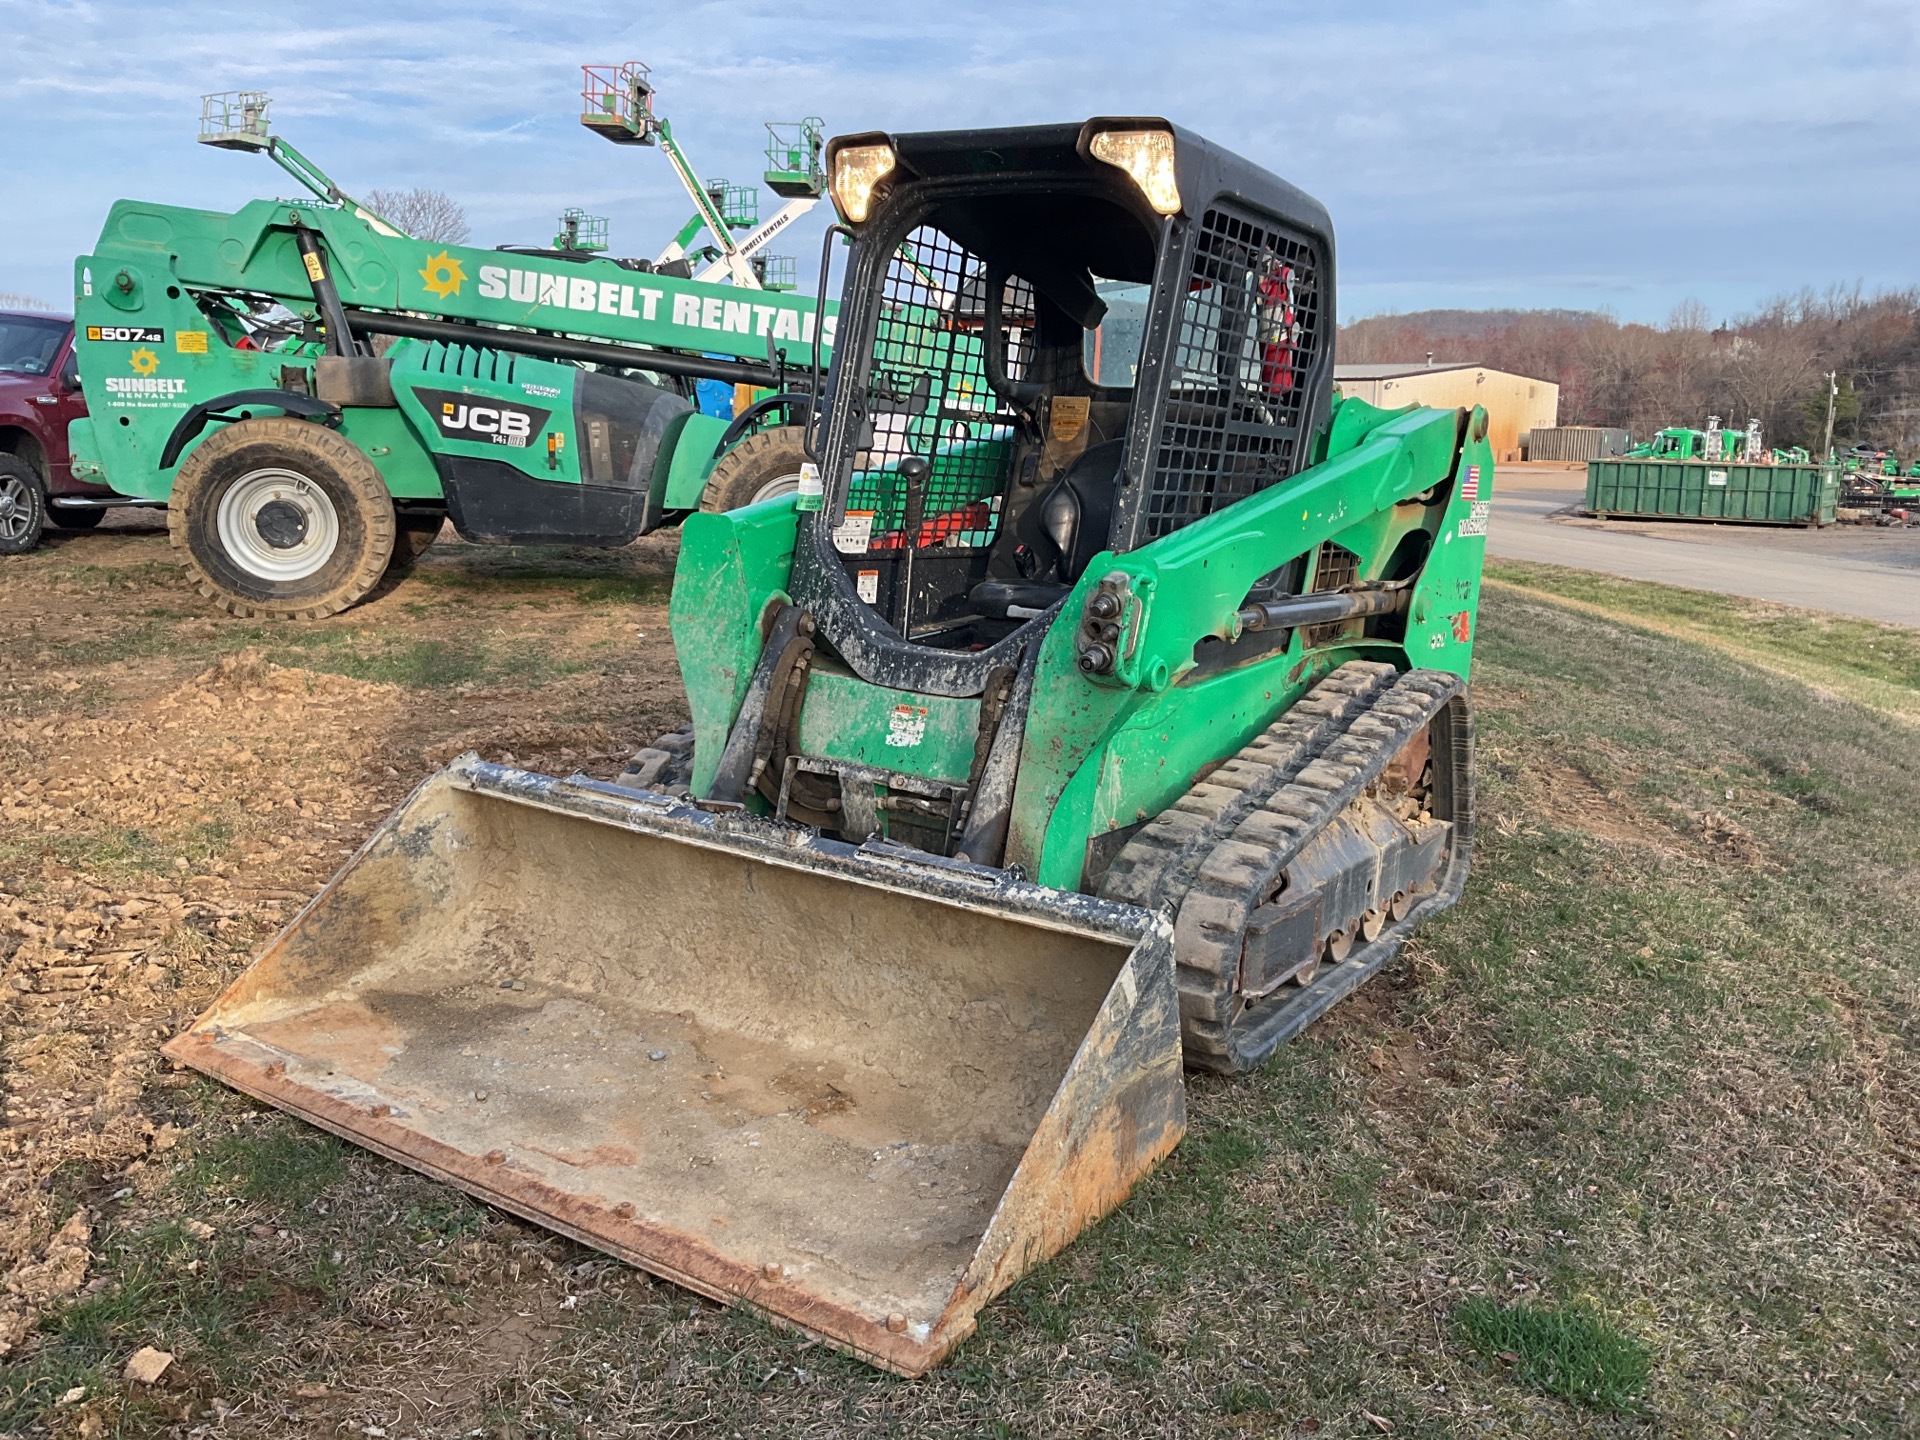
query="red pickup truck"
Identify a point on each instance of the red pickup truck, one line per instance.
(39, 395)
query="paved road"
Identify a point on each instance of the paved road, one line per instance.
(1849, 570)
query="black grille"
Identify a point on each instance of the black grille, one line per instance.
(1249, 336)
(927, 395)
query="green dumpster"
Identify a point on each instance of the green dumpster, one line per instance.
(1713, 490)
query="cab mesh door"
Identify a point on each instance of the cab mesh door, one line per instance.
(1238, 394)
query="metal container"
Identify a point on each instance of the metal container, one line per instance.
(1576, 442)
(1711, 490)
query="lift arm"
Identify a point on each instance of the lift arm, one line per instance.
(321, 184)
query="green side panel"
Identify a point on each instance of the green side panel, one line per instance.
(437, 384)
(1713, 490)
(731, 566)
(390, 440)
(1443, 617)
(83, 454)
(147, 353)
(691, 454)
(927, 735)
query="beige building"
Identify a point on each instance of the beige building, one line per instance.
(1515, 404)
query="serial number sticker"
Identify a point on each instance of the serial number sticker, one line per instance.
(190, 342)
(907, 725)
(866, 584)
(853, 534)
(1473, 525)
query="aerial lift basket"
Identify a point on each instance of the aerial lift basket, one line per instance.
(859, 1088)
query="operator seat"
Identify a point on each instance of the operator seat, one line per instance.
(1075, 518)
(1076, 514)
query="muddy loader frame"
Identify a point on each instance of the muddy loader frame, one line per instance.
(1102, 711)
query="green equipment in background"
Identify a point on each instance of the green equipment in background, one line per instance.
(311, 391)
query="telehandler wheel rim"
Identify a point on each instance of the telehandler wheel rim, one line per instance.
(784, 485)
(277, 525)
(16, 508)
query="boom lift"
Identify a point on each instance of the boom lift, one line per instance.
(581, 232)
(617, 103)
(231, 371)
(1108, 710)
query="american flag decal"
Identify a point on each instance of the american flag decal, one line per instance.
(1471, 489)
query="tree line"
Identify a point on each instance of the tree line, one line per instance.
(1771, 365)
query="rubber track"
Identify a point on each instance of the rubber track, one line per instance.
(1161, 862)
(1237, 873)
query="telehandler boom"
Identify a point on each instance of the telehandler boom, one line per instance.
(1104, 710)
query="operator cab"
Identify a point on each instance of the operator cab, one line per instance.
(1042, 356)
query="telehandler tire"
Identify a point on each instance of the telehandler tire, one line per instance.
(759, 468)
(281, 519)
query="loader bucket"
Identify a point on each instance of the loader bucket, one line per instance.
(861, 1089)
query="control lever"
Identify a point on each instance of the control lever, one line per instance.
(914, 474)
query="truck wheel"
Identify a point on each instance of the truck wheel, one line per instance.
(281, 519)
(76, 519)
(758, 468)
(23, 506)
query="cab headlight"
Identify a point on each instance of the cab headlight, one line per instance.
(856, 170)
(1147, 157)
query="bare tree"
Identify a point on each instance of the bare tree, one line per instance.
(424, 214)
(1770, 364)
(14, 300)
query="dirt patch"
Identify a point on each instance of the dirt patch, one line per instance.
(1562, 794)
(174, 784)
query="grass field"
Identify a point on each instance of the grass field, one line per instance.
(1626, 1144)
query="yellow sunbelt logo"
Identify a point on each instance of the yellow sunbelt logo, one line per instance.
(443, 275)
(143, 384)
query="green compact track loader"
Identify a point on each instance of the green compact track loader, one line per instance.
(1101, 712)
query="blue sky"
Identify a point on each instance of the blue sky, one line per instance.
(1625, 155)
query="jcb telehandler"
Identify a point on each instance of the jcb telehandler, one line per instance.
(1106, 710)
(312, 393)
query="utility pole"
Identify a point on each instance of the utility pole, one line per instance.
(1833, 394)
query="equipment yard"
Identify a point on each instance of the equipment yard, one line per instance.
(609, 833)
(1869, 571)
(1644, 1087)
